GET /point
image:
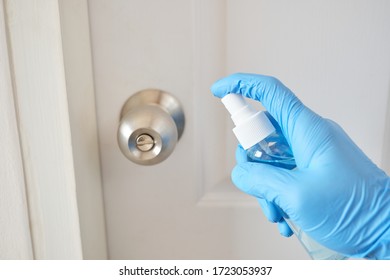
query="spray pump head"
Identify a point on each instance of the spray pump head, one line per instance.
(252, 126)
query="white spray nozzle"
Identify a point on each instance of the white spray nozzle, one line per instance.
(251, 126)
(233, 102)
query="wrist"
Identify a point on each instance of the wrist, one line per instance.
(381, 247)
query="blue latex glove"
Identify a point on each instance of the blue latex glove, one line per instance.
(337, 195)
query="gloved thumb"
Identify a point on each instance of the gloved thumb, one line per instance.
(266, 181)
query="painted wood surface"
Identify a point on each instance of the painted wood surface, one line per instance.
(40, 91)
(15, 238)
(82, 114)
(333, 54)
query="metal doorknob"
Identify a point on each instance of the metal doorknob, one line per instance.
(151, 123)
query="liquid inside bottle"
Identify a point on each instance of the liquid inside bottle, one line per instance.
(273, 150)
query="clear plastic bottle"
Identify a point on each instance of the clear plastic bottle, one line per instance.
(266, 144)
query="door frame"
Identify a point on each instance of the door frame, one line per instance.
(51, 86)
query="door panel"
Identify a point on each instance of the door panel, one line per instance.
(186, 207)
(333, 54)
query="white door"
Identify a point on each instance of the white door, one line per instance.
(334, 55)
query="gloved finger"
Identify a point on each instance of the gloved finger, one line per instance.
(241, 155)
(270, 210)
(274, 96)
(265, 181)
(280, 102)
(284, 229)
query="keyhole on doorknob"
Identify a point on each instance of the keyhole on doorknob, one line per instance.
(144, 142)
(151, 123)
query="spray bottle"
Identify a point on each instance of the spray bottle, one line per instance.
(265, 144)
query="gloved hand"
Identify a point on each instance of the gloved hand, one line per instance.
(337, 195)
